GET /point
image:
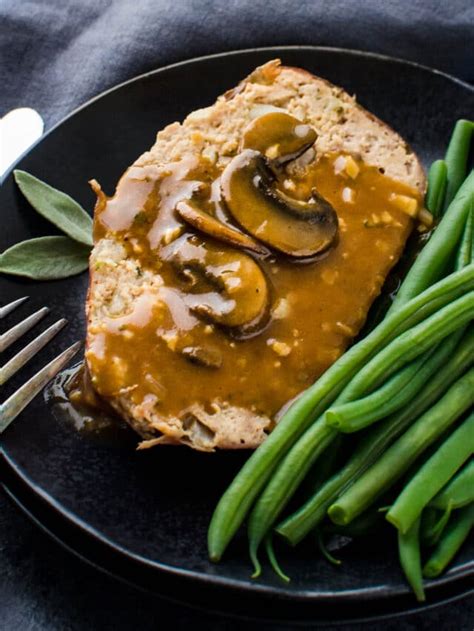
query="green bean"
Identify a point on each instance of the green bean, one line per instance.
(401, 454)
(324, 551)
(363, 525)
(472, 239)
(459, 491)
(454, 536)
(437, 180)
(237, 500)
(320, 473)
(296, 464)
(391, 396)
(456, 158)
(435, 256)
(405, 347)
(428, 520)
(285, 481)
(447, 364)
(273, 561)
(355, 415)
(432, 526)
(465, 252)
(410, 559)
(432, 476)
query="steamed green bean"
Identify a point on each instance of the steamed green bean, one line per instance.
(437, 181)
(448, 364)
(456, 158)
(456, 533)
(406, 384)
(273, 560)
(459, 491)
(403, 453)
(433, 475)
(308, 448)
(434, 258)
(405, 347)
(363, 525)
(239, 497)
(466, 249)
(410, 559)
(433, 524)
(390, 397)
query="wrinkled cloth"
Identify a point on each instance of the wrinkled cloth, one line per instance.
(56, 54)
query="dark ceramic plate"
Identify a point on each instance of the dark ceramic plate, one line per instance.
(143, 516)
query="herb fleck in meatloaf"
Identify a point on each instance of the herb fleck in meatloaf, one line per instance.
(200, 331)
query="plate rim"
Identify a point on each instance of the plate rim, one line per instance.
(376, 594)
(304, 596)
(415, 608)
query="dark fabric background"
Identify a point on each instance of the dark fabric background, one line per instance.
(56, 54)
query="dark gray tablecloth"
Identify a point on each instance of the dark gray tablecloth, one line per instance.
(54, 55)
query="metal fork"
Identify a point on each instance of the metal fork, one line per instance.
(17, 402)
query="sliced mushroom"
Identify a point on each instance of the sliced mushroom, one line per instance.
(231, 291)
(193, 215)
(297, 228)
(203, 356)
(279, 136)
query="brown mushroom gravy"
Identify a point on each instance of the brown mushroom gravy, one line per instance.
(73, 400)
(247, 326)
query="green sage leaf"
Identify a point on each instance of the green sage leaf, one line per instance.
(45, 258)
(56, 207)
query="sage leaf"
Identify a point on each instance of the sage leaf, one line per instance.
(45, 258)
(56, 207)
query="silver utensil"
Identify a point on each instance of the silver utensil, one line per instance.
(17, 402)
(19, 129)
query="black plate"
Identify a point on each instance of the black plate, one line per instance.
(143, 516)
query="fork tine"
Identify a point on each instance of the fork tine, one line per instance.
(15, 404)
(22, 327)
(20, 359)
(4, 311)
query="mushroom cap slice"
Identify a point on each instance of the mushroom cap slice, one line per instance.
(199, 219)
(231, 289)
(297, 228)
(279, 136)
